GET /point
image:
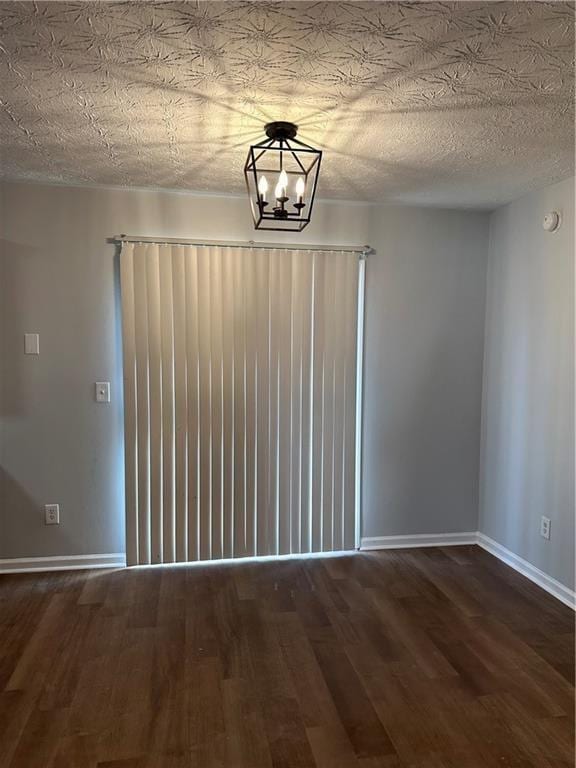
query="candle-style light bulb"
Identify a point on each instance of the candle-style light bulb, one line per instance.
(282, 185)
(300, 187)
(263, 188)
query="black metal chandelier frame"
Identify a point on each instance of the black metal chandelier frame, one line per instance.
(282, 214)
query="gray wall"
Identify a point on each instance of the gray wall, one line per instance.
(423, 371)
(527, 467)
(423, 357)
(59, 278)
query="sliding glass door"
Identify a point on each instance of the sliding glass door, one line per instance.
(240, 393)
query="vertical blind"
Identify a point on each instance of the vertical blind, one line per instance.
(240, 400)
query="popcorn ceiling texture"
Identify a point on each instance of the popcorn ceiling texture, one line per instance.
(456, 104)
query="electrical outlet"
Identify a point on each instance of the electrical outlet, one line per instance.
(52, 514)
(545, 527)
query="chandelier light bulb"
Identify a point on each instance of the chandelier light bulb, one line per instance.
(300, 187)
(282, 185)
(263, 188)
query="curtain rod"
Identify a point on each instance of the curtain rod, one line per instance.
(363, 250)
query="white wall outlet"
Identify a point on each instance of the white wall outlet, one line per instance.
(102, 391)
(52, 514)
(545, 524)
(31, 344)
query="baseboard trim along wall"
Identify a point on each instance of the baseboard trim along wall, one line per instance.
(554, 587)
(61, 563)
(118, 559)
(418, 540)
(550, 585)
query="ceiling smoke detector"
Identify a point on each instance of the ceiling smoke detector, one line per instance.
(551, 222)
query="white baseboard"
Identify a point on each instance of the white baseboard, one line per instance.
(418, 540)
(118, 559)
(61, 563)
(549, 584)
(552, 586)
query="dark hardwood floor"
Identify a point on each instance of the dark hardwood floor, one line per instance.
(432, 658)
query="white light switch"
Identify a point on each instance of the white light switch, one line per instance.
(31, 344)
(102, 391)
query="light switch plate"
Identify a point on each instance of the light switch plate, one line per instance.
(102, 391)
(31, 344)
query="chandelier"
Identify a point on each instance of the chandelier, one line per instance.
(281, 177)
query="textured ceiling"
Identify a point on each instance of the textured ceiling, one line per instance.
(461, 104)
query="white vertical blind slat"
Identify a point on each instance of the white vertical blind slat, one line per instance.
(228, 443)
(155, 402)
(330, 310)
(317, 410)
(217, 399)
(262, 298)
(252, 395)
(240, 372)
(273, 405)
(360, 277)
(339, 347)
(142, 401)
(285, 312)
(192, 401)
(295, 395)
(130, 426)
(180, 403)
(239, 421)
(167, 372)
(350, 383)
(205, 395)
(307, 330)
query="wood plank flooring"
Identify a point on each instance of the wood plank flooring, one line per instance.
(431, 658)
